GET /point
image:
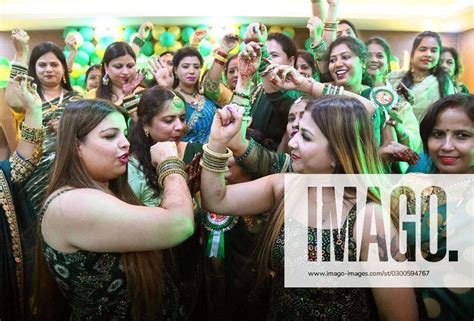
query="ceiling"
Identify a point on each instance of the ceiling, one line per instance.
(401, 15)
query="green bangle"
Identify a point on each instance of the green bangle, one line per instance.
(138, 41)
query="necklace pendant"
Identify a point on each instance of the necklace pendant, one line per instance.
(53, 107)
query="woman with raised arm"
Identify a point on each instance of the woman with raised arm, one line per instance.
(17, 222)
(323, 144)
(98, 246)
(47, 69)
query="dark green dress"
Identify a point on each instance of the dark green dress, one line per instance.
(95, 284)
(329, 304)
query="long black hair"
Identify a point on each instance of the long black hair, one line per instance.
(114, 50)
(152, 102)
(437, 71)
(40, 50)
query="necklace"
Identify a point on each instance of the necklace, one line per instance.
(53, 107)
(418, 78)
(196, 102)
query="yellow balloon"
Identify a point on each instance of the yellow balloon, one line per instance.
(177, 45)
(289, 30)
(157, 31)
(100, 50)
(274, 29)
(77, 70)
(4, 72)
(158, 48)
(118, 34)
(176, 31)
(235, 51)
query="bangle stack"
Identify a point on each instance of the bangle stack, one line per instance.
(33, 136)
(331, 25)
(138, 41)
(240, 159)
(214, 162)
(330, 89)
(171, 165)
(220, 58)
(130, 103)
(18, 69)
(321, 46)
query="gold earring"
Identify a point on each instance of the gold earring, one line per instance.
(147, 133)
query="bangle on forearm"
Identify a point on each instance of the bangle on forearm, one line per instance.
(138, 41)
(247, 151)
(330, 89)
(18, 69)
(214, 162)
(32, 135)
(321, 46)
(222, 54)
(331, 25)
(241, 95)
(171, 165)
(130, 103)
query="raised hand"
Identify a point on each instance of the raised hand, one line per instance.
(226, 124)
(285, 77)
(27, 93)
(197, 37)
(161, 151)
(144, 30)
(162, 74)
(229, 41)
(132, 84)
(71, 42)
(315, 26)
(256, 32)
(249, 61)
(20, 41)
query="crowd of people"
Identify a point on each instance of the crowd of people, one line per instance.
(163, 199)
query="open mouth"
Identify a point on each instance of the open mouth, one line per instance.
(341, 74)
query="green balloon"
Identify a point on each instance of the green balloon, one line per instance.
(88, 47)
(289, 34)
(72, 81)
(82, 58)
(106, 40)
(68, 30)
(128, 32)
(186, 34)
(167, 39)
(81, 81)
(205, 48)
(147, 48)
(87, 33)
(95, 60)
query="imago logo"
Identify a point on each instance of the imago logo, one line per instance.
(387, 230)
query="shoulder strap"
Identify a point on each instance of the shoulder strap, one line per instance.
(46, 204)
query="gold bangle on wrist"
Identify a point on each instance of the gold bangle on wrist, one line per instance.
(170, 171)
(32, 135)
(214, 154)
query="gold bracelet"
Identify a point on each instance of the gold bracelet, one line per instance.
(32, 135)
(227, 155)
(172, 161)
(204, 164)
(170, 171)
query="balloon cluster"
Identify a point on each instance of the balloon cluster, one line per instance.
(92, 42)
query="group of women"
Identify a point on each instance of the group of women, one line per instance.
(164, 200)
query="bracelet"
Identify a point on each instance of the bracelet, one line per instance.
(138, 41)
(213, 154)
(331, 25)
(219, 62)
(321, 46)
(222, 54)
(130, 103)
(17, 69)
(241, 95)
(170, 162)
(247, 151)
(32, 135)
(170, 171)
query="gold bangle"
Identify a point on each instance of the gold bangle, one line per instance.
(204, 164)
(227, 155)
(170, 171)
(32, 135)
(173, 161)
